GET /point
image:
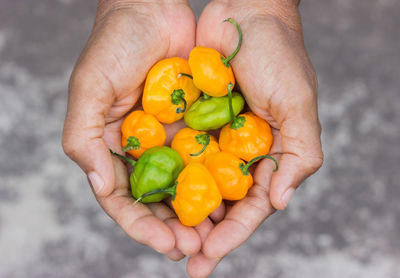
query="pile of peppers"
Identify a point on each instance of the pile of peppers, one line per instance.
(198, 170)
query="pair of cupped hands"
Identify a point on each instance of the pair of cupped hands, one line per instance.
(274, 74)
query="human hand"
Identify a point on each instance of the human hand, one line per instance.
(277, 79)
(128, 37)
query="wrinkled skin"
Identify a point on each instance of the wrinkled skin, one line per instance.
(127, 39)
(273, 72)
(277, 79)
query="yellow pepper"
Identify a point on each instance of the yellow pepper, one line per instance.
(231, 174)
(193, 145)
(211, 70)
(247, 136)
(194, 196)
(169, 90)
(141, 131)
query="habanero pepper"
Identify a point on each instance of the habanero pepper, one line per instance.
(157, 168)
(210, 70)
(231, 174)
(141, 131)
(193, 145)
(169, 90)
(209, 113)
(247, 136)
(194, 196)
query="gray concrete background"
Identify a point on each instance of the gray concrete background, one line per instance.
(343, 222)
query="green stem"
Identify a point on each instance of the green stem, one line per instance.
(245, 168)
(230, 57)
(184, 74)
(130, 161)
(202, 139)
(170, 190)
(177, 97)
(230, 85)
(205, 96)
(236, 122)
(133, 143)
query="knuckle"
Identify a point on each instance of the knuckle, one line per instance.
(68, 146)
(312, 164)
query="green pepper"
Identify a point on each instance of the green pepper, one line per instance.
(212, 112)
(157, 168)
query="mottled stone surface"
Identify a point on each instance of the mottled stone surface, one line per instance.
(343, 222)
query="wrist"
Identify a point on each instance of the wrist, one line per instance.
(108, 5)
(284, 10)
(130, 2)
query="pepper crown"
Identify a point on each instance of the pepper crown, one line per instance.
(245, 167)
(230, 57)
(202, 139)
(133, 143)
(177, 97)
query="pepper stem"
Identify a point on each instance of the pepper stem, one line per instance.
(170, 190)
(130, 161)
(185, 74)
(133, 143)
(236, 122)
(245, 168)
(177, 97)
(202, 139)
(205, 96)
(230, 57)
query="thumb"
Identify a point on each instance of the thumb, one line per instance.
(90, 99)
(301, 156)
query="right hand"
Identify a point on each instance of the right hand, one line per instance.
(127, 39)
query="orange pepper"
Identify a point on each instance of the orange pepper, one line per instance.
(247, 136)
(169, 90)
(193, 145)
(211, 70)
(141, 131)
(197, 194)
(194, 195)
(231, 174)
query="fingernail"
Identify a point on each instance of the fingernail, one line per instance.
(287, 196)
(96, 181)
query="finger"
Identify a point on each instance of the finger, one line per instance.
(135, 219)
(187, 239)
(217, 215)
(199, 265)
(204, 228)
(302, 156)
(175, 255)
(172, 129)
(239, 223)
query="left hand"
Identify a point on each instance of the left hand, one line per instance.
(277, 79)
